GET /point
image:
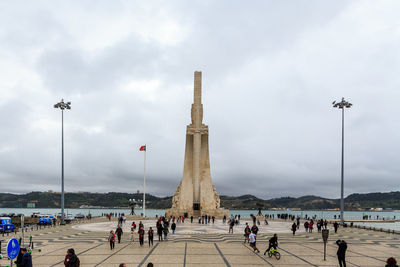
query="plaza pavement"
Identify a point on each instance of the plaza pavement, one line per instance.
(193, 247)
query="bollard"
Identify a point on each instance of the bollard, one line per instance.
(325, 235)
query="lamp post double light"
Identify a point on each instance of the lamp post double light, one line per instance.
(342, 105)
(61, 105)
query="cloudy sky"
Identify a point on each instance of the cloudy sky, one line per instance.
(271, 70)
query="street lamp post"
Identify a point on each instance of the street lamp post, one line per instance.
(61, 105)
(342, 105)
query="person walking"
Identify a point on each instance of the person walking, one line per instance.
(159, 230)
(26, 260)
(132, 234)
(119, 233)
(111, 239)
(165, 231)
(306, 226)
(71, 260)
(336, 226)
(173, 227)
(391, 262)
(247, 233)
(254, 229)
(310, 226)
(341, 253)
(252, 239)
(319, 225)
(294, 228)
(150, 236)
(272, 243)
(231, 224)
(141, 236)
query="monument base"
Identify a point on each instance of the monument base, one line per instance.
(217, 213)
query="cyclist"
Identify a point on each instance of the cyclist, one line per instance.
(273, 242)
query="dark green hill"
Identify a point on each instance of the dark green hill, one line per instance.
(390, 200)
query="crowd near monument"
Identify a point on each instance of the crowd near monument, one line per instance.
(196, 194)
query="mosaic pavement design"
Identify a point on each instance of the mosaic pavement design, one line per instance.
(209, 248)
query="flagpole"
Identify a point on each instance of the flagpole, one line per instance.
(144, 182)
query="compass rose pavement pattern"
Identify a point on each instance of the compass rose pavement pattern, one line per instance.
(211, 245)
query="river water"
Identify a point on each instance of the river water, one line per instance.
(243, 213)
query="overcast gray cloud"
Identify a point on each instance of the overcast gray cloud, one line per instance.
(270, 72)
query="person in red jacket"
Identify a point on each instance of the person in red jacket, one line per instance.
(111, 239)
(141, 235)
(310, 226)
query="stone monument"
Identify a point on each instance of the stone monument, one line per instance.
(195, 194)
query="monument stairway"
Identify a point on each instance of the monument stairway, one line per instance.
(196, 214)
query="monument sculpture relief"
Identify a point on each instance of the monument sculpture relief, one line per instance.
(196, 194)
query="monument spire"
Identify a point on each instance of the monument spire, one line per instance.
(197, 88)
(197, 106)
(196, 194)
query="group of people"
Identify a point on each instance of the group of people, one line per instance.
(309, 225)
(162, 226)
(250, 236)
(141, 233)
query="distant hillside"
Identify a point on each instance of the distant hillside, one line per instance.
(75, 200)
(305, 202)
(389, 200)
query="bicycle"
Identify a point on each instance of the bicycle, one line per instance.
(275, 253)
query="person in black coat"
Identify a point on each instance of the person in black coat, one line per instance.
(341, 253)
(336, 226)
(254, 229)
(159, 230)
(26, 258)
(119, 233)
(391, 262)
(273, 243)
(71, 260)
(19, 259)
(173, 227)
(294, 228)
